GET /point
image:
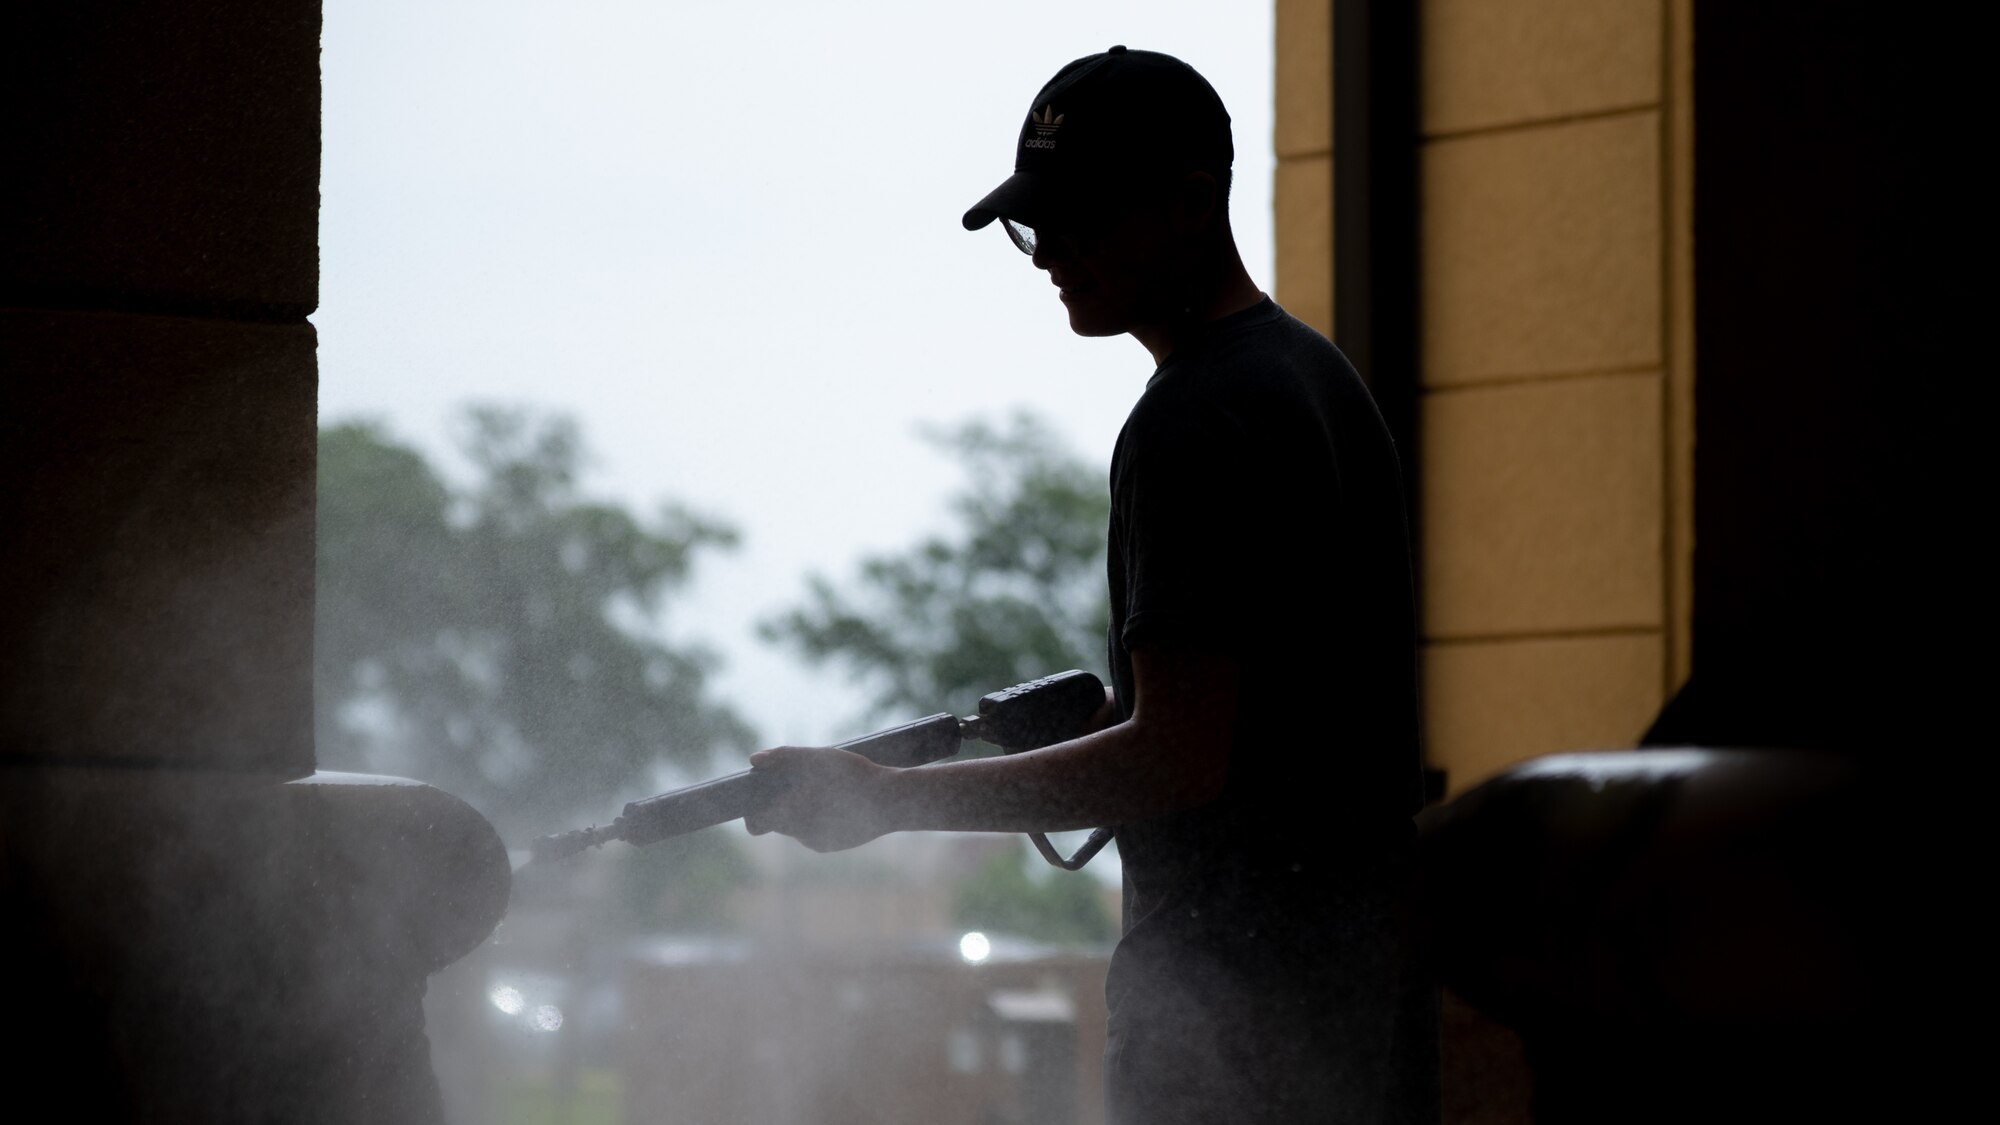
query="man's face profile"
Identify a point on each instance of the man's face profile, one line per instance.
(1125, 262)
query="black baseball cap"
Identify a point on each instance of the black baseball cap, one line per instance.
(1104, 122)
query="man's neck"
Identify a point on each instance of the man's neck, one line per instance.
(1231, 291)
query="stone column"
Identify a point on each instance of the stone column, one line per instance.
(205, 929)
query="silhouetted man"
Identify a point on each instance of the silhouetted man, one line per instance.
(1258, 751)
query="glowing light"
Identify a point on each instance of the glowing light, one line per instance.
(507, 1000)
(974, 948)
(548, 1017)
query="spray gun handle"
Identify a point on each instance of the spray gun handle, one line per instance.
(726, 798)
(1036, 714)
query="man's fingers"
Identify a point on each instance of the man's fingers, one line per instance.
(770, 762)
(816, 795)
(773, 814)
(776, 811)
(778, 755)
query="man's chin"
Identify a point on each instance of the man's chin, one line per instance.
(1084, 323)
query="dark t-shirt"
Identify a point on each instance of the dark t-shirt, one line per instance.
(1257, 510)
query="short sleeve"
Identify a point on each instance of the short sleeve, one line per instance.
(1185, 492)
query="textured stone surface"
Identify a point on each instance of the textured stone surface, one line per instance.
(1503, 62)
(1541, 251)
(159, 521)
(1495, 703)
(1541, 507)
(1678, 300)
(1303, 211)
(1303, 77)
(161, 157)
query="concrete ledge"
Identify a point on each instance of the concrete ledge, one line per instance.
(223, 947)
(1689, 934)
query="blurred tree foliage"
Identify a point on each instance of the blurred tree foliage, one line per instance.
(500, 641)
(1061, 906)
(1016, 591)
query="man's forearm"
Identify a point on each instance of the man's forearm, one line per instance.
(1126, 772)
(1173, 753)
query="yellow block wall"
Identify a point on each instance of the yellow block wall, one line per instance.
(1554, 475)
(1302, 186)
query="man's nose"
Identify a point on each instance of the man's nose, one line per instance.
(1051, 249)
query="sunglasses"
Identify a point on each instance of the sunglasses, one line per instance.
(1022, 235)
(1082, 238)
(1085, 226)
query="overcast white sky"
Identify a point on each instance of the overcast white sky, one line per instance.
(725, 237)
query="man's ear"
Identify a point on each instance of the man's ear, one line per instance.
(1201, 201)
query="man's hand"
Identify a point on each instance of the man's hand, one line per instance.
(827, 799)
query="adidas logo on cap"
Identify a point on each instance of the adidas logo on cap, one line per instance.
(1046, 123)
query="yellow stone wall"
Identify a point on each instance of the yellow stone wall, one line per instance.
(1302, 188)
(1553, 472)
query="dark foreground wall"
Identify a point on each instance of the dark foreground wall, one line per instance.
(1762, 918)
(158, 256)
(200, 927)
(1835, 507)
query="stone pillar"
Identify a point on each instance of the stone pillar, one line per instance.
(206, 929)
(1555, 376)
(158, 257)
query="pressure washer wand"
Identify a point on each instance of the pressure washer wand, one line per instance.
(1022, 717)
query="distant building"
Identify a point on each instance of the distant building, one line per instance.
(936, 1029)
